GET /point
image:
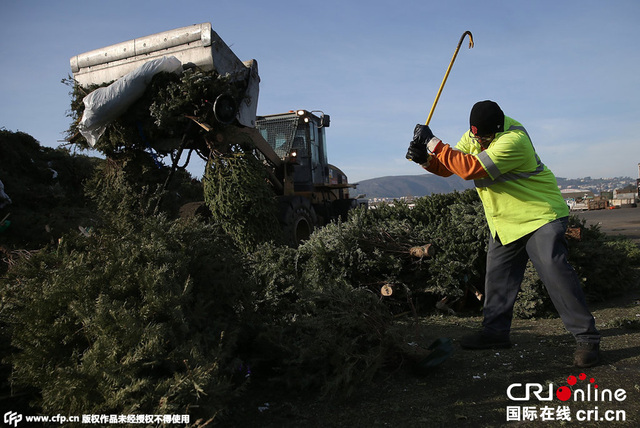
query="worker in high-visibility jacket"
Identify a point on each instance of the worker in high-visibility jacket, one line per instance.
(527, 217)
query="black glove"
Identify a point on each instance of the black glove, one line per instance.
(422, 134)
(418, 153)
(418, 147)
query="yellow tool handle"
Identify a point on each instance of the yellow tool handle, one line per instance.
(433, 107)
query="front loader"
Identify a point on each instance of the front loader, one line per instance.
(291, 146)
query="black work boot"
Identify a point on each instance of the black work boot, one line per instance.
(483, 340)
(587, 354)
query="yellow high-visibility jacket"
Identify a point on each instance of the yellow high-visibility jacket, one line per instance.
(518, 192)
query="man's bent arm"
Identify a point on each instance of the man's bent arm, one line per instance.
(459, 163)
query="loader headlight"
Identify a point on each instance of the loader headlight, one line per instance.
(303, 114)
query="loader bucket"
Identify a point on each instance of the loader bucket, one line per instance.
(196, 45)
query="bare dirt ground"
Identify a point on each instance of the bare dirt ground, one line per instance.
(471, 387)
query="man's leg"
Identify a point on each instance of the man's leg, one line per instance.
(505, 269)
(547, 248)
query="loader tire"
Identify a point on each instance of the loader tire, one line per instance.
(193, 209)
(298, 220)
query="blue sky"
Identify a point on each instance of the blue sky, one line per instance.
(568, 70)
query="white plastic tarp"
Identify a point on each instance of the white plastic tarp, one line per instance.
(106, 104)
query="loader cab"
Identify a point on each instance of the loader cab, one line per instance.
(299, 138)
(311, 137)
(312, 192)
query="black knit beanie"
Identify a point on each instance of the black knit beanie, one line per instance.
(486, 118)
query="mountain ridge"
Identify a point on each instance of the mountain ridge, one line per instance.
(399, 186)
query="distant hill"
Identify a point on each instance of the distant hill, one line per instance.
(411, 185)
(395, 187)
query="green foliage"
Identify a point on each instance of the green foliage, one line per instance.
(192, 93)
(533, 299)
(239, 197)
(365, 254)
(457, 227)
(141, 316)
(332, 338)
(372, 248)
(159, 118)
(133, 187)
(323, 323)
(128, 323)
(276, 270)
(45, 186)
(338, 341)
(606, 266)
(146, 314)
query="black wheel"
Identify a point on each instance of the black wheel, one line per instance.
(298, 219)
(193, 209)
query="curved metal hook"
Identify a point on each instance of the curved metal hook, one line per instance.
(470, 39)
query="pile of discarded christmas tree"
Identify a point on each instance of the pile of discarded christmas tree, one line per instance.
(148, 312)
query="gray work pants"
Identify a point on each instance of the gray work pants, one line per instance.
(547, 249)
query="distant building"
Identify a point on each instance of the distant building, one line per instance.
(628, 192)
(576, 194)
(606, 194)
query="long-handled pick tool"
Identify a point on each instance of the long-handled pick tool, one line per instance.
(433, 107)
